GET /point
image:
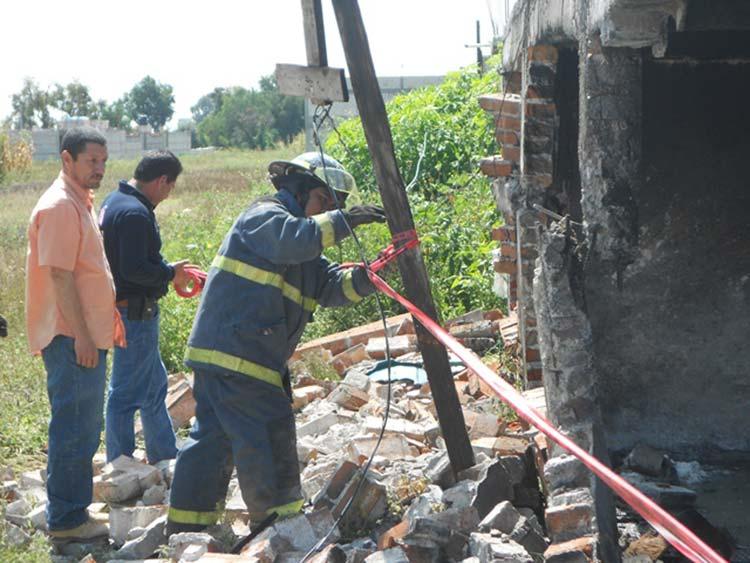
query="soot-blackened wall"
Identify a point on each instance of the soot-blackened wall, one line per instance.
(671, 330)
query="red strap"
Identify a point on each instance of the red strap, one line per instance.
(672, 530)
(198, 279)
(401, 242)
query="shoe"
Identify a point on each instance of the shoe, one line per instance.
(86, 531)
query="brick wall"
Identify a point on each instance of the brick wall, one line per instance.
(525, 121)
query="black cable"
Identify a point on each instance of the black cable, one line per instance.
(318, 118)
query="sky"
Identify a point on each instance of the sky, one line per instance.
(197, 46)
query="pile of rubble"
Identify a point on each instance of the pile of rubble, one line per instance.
(407, 505)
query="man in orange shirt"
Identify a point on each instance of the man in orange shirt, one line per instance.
(72, 321)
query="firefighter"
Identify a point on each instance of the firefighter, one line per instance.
(262, 289)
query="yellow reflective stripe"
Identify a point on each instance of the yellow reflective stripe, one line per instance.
(287, 509)
(309, 304)
(294, 294)
(347, 284)
(328, 237)
(234, 363)
(192, 517)
(247, 271)
(264, 277)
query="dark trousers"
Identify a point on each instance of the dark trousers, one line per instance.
(244, 423)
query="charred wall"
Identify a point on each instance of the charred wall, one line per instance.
(670, 325)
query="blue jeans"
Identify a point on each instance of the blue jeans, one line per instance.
(76, 398)
(139, 381)
(242, 422)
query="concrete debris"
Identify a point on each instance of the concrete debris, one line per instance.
(147, 544)
(17, 512)
(38, 517)
(488, 547)
(393, 555)
(650, 461)
(183, 546)
(15, 536)
(154, 494)
(369, 505)
(9, 491)
(398, 346)
(664, 494)
(409, 500)
(36, 478)
(124, 479)
(122, 519)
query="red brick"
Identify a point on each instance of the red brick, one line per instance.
(341, 341)
(508, 251)
(540, 110)
(543, 54)
(512, 153)
(512, 82)
(504, 234)
(496, 167)
(511, 108)
(392, 535)
(505, 137)
(536, 93)
(568, 520)
(532, 354)
(509, 123)
(505, 266)
(579, 549)
(346, 359)
(501, 104)
(534, 374)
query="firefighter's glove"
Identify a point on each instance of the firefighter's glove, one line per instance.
(363, 214)
(3, 326)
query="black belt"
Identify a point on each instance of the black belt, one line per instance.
(140, 308)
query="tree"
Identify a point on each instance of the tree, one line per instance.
(153, 100)
(31, 106)
(208, 104)
(288, 111)
(116, 113)
(242, 121)
(74, 99)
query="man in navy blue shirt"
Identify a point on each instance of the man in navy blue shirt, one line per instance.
(133, 246)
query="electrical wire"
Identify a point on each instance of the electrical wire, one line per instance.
(321, 114)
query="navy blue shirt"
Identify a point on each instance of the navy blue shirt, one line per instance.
(133, 244)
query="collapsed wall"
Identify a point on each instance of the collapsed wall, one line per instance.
(621, 180)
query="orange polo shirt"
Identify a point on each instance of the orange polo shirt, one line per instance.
(63, 233)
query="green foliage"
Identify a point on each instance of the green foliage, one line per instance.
(288, 111)
(253, 119)
(73, 99)
(115, 113)
(446, 119)
(31, 106)
(208, 104)
(243, 120)
(452, 205)
(151, 99)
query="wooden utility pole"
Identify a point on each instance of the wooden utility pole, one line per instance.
(380, 142)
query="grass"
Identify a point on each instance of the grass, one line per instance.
(214, 188)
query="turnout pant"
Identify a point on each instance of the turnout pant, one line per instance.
(239, 422)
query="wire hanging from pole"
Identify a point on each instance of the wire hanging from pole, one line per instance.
(321, 114)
